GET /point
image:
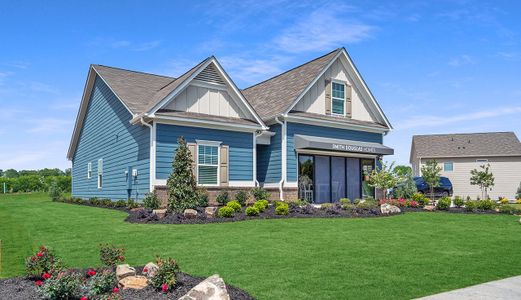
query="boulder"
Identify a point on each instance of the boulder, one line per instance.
(212, 288)
(138, 209)
(124, 270)
(210, 211)
(387, 209)
(160, 213)
(190, 213)
(137, 282)
(429, 207)
(151, 269)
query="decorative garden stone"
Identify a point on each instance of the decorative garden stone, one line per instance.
(429, 207)
(212, 288)
(137, 282)
(210, 211)
(137, 209)
(387, 209)
(124, 270)
(190, 213)
(150, 269)
(160, 213)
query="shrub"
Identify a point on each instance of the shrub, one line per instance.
(259, 206)
(101, 283)
(66, 285)
(44, 261)
(458, 201)
(94, 201)
(223, 197)
(242, 197)
(277, 203)
(413, 203)
(282, 209)
(357, 201)
(518, 201)
(202, 197)
(226, 212)
(504, 201)
(420, 198)
(182, 186)
(345, 201)
(443, 203)
(107, 202)
(252, 211)
(55, 191)
(471, 205)
(325, 206)
(132, 204)
(151, 201)
(259, 193)
(486, 204)
(509, 209)
(111, 255)
(367, 204)
(235, 205)
(120, 203)
(166, 274)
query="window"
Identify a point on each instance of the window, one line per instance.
(448, 167)
(89, 170)
(481, 160)
(208, 164)
(100, 173)
(338, 98)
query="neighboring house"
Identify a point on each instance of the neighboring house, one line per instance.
(458, 154)
(313, 131)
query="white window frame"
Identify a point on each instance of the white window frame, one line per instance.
(211, 144)
(100, 179)
(89, 170)
(448, 162)
(345, 99)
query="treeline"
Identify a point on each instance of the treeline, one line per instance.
(34, 180)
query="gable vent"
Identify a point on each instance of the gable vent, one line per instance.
(210, 74)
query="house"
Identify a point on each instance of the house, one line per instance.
(458, 154)
(311, 132)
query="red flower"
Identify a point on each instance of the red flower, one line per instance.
(164, 287)
(84, 298)
(46, 275)
(43, 248)
(121, 258)
(39, 254)
(91, 273)
(115, 290)
(38, 282)
(145, 270)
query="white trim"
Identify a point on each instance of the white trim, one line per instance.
(205, 124)
(333, 153)
(160, 182)
(255, 157)
(153, 156)
(209, 85)
(89, 170)
(240, 183)
(209, 144)
(345, 98)
(100, 173)
(291, 184)
(333, 123)
(270, 185)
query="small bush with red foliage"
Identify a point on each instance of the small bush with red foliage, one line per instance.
(43, 263)
(166, 276)
(400, 202)
(111, 255)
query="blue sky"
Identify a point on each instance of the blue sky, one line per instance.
(434, 67)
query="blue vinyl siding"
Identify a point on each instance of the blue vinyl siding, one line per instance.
(107, 134)
(240, 143)
(327, 132)
(269, 167)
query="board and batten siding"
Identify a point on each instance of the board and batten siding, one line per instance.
(108, 135)
(269, 167)
(506, 172)
(314, 100)
(240, 143)
(327, 132)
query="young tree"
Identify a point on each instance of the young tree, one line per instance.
(431, 175)
(406, 188)
(182, 186)
(484, 178)
(383, 178)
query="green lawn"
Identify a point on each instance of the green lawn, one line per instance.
(401, 257)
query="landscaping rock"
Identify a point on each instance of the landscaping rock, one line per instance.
(138, 209)
(190, 213)
(124, 270)
(429, 207)
(210, 211)
(212, 288)
(387, 209)
(151, 269)
(137, 282)
(160, 213)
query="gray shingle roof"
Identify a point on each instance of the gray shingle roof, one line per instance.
(466, 145)
(274, 96)
(341, 119)
(199, 116)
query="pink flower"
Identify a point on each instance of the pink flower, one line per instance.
(38, 282)
(91, 273)
(46, 275)
(84, 298)
(145, 270)
(164, 287)
(115, 290)
(39, 254)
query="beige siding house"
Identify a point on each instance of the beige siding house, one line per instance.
(458, 154)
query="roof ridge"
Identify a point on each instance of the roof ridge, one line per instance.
(463, 133)
(133, 71)
(292, 69)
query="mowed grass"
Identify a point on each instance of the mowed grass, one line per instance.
(399, 257)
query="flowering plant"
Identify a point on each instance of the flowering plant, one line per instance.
(110, 255)
(166, 276)
(43, 262)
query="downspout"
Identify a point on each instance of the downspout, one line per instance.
(283, 158)
(152, 155)
(255, 135)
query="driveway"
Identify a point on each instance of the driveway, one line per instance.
(509, 288)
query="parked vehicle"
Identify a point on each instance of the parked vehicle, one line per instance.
(443, 190)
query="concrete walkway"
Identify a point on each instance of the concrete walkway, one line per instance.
(509, 288)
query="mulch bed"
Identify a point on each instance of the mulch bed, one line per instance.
(21, 288)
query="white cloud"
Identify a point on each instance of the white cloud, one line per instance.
(146, 46)
(124, 44)
(461, 61)
(510, 56)
(253, 70)
(321, 31)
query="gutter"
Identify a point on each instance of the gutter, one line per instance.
(152, 155)
(283, 158)
(255, 135)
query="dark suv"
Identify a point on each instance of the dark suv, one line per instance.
(443, 190)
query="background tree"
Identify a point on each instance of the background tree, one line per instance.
(483, 178)
(402, 170)
(10, 173)
(383, 178)
(406, 188)
(431, 175)
(182, 186)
